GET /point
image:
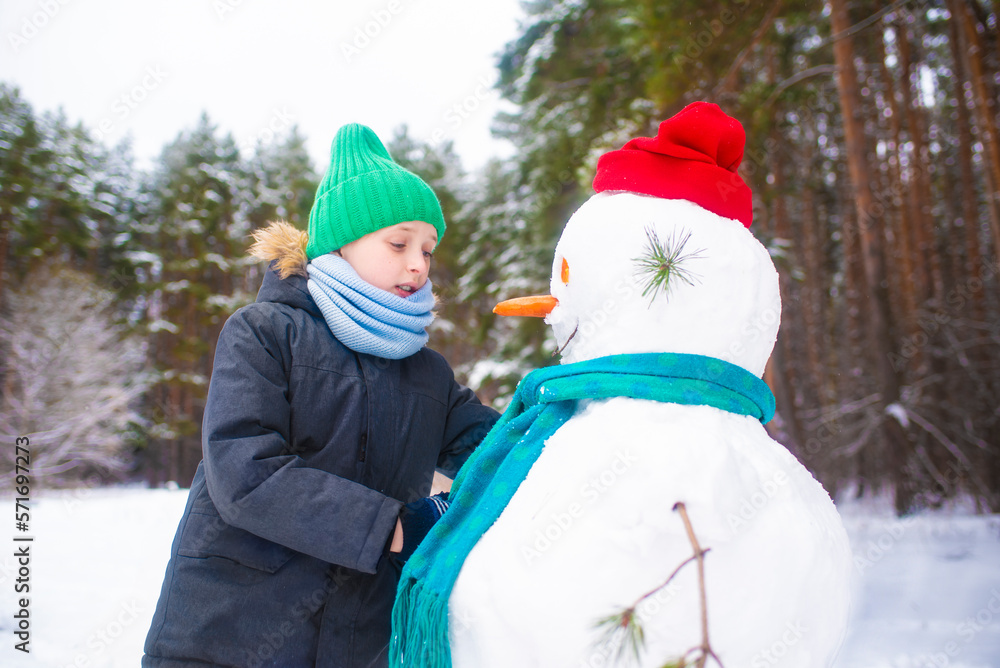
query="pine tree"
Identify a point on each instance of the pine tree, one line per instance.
(73, 379)
(194, 237)
(282, 181)
(281, 186)
(883, 309)
(19, 165)
(441, 168)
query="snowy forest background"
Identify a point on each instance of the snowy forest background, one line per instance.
(883, 221)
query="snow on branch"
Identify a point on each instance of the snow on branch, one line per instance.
(71, 378)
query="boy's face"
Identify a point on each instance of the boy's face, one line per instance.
(396, 259)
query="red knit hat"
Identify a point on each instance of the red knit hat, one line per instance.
(694, 157)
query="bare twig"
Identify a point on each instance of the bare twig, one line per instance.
(623, 629)
(925, 459)
(819, 70)
(939, 435)
(842, 410)
(624, 632)
(864, 23)
(951, 447)
(706, 646)
(667, 581)
(855, 446)
(563, 347)
(727, 81)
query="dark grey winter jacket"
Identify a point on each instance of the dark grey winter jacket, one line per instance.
(310, 449)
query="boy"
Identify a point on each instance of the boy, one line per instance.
(325, 415)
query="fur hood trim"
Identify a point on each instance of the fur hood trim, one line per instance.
(284, 244)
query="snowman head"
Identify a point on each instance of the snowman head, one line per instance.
(661, 258)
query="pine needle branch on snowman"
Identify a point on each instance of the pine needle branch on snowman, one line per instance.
(624, 632)
(663, 262)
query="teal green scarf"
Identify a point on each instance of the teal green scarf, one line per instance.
(543, 401)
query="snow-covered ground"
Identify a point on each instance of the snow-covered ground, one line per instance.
(927, 596)
(927, 592)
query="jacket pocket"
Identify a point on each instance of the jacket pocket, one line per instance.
(207, 535)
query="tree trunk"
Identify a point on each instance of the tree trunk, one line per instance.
(970, 214)
(869, 227)
(854, 329)
(902, 220)
(919, 178)
(175, 443)
(814, 304)
(5, 223)
(984, 113)
(787, 361)
(800, 390)
(869, 232)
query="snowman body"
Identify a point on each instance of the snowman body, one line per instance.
(591, 528)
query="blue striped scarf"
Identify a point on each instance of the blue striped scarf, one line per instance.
(543, 401)
(365, 318)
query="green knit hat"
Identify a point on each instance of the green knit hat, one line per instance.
(364, 191)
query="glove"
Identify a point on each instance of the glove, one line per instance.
(417, 518)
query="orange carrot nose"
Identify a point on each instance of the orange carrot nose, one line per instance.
(536, 307)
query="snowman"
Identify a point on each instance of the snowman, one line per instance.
(564, 546)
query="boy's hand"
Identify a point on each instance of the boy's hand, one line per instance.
(441, 483)
(415, 521)
(397, 538)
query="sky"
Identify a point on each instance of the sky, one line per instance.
(149, 69)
